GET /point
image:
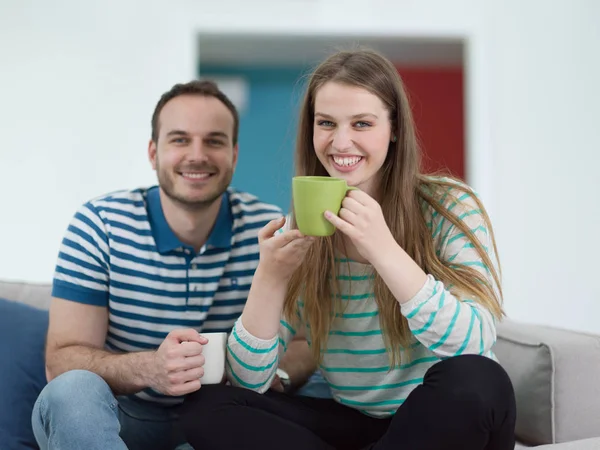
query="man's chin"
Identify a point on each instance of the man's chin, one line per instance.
(197, 202)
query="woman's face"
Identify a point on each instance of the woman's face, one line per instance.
(352, 134)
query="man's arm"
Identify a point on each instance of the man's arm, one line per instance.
(298, 362)
(76, 337)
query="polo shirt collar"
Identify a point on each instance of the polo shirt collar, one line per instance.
(166, 240)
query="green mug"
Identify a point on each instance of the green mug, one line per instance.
(312, 197)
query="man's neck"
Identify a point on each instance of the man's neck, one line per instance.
(192, 227)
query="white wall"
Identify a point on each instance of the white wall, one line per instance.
(79, 84)
(545, 72)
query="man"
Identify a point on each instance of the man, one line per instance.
(140, 272)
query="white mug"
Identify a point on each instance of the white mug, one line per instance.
(214, 358)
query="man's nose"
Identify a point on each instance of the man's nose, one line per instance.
(197, 151)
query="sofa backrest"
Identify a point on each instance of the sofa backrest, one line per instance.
(37, 295)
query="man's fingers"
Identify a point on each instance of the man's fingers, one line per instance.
(185, 388)
(186, 334)
(276, 384)
(193, 362)
(191, 374)
(270, 228)
(190, 349)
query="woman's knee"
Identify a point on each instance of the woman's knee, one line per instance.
(212, 398)
(199, 412)
(472, 378)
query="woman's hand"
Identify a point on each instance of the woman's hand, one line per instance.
(282, 253)
(361, 219)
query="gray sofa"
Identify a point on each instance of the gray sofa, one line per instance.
(555, 373)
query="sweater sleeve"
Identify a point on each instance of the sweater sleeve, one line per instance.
(252, 362)
(446, 324)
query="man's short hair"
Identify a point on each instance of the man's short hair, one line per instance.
(203, 88)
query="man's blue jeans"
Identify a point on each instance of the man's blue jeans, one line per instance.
(78, 411)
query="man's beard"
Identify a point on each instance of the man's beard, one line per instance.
(165, 181)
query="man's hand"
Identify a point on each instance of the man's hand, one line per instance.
(297, 362)
(178, 363)
(276, 384)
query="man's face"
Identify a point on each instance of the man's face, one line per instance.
(194, 156)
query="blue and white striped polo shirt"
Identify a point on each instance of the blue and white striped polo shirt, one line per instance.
(119, 252)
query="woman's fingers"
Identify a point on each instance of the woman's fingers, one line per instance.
(270, 228)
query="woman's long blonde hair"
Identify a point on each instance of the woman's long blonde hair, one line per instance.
(405, 190)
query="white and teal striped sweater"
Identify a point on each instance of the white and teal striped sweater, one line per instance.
(355, 363)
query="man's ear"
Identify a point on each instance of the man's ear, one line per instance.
(235, 155)
(152, 153)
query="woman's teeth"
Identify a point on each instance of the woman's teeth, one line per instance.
(347, 160)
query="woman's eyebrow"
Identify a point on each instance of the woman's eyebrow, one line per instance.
(355, 116)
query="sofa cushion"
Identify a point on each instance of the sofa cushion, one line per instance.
(554, 373)
(22, 373)
(583, 444)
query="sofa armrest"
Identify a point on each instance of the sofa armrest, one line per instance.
(556, 376)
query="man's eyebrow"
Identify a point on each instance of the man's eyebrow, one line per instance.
(355, 116)
(218, 134)
(177, 133)
(213, 134)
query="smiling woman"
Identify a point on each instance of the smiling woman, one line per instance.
(399, 305)
(352, 131)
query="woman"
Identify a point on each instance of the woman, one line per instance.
(404, 333)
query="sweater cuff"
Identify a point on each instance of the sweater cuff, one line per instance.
(256, 344)
(424, 294)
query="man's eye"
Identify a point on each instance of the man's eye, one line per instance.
(179, 140)
(215, 143)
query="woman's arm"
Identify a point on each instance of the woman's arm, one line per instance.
(251, 361)
(445, 324)
(259, 336)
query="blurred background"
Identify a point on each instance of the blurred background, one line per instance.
(505, 93)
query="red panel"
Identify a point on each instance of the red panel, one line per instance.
(437, 99)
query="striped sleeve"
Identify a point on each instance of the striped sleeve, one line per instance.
(445, 324)
(252, 362)
(82, 267)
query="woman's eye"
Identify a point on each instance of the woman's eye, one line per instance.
(362, 124)
(325, 123)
